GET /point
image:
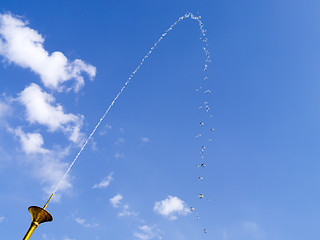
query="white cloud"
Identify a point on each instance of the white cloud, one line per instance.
(23, 46)
(45, 164)
(144, 139)
(126, 212)
(66, 238)
(105, 182)
(84, 223)
(31, 142)
(105, 129)
(42, 109)
(2, 219)
(5, 109)
(119, 155)
(253, 229)
(171, 207)
(50, 170)
(120, 140)
(93, 144)
(245, 230)
(115, 201)
(147, 233)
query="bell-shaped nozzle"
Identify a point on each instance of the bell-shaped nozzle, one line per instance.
(39, 215)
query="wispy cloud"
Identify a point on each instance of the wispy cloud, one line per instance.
(85, 223)
(126, 211)
(5, 109)
(93, 144)
(115, 201)
(253, 229)
(147, 232)
(46, 164)
(105, 129)
(120, 140)
(23, 46)
(50, 169)
(171, 207)
(67, 238)
(144, 139)
(2, 219)
(244, 230)
(105, 182)
(119, 155)
(42, 109)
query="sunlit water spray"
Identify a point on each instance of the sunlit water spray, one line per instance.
(204, 39)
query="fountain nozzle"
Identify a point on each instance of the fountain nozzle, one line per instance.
(39, 215)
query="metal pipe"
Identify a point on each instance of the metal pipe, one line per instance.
(32, 227)
(39, 215)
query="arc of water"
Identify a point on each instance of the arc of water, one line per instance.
(206, 51)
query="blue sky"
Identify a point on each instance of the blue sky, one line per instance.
(137, 178)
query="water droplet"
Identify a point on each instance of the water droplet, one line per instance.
(205, 67)
(207, 109)
(200, 196)
(197, 165)
(203, 165)
(212, 129)
(199, 88)
(200, 178)
(200, 107)
(205, 103)
(210, 140)
(210, 116)
(198, 217)
(192, 209)
(202, 123)
(203, 147)
(207, 91)
(199, 135)
(205, 78)
(205, 230)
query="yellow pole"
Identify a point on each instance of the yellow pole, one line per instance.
(32, 227)
(45, 206)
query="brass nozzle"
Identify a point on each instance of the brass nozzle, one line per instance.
(39, 215)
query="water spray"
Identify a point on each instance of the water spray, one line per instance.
(40, 215)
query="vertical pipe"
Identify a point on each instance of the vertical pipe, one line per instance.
(45, 206)
(31, 229)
